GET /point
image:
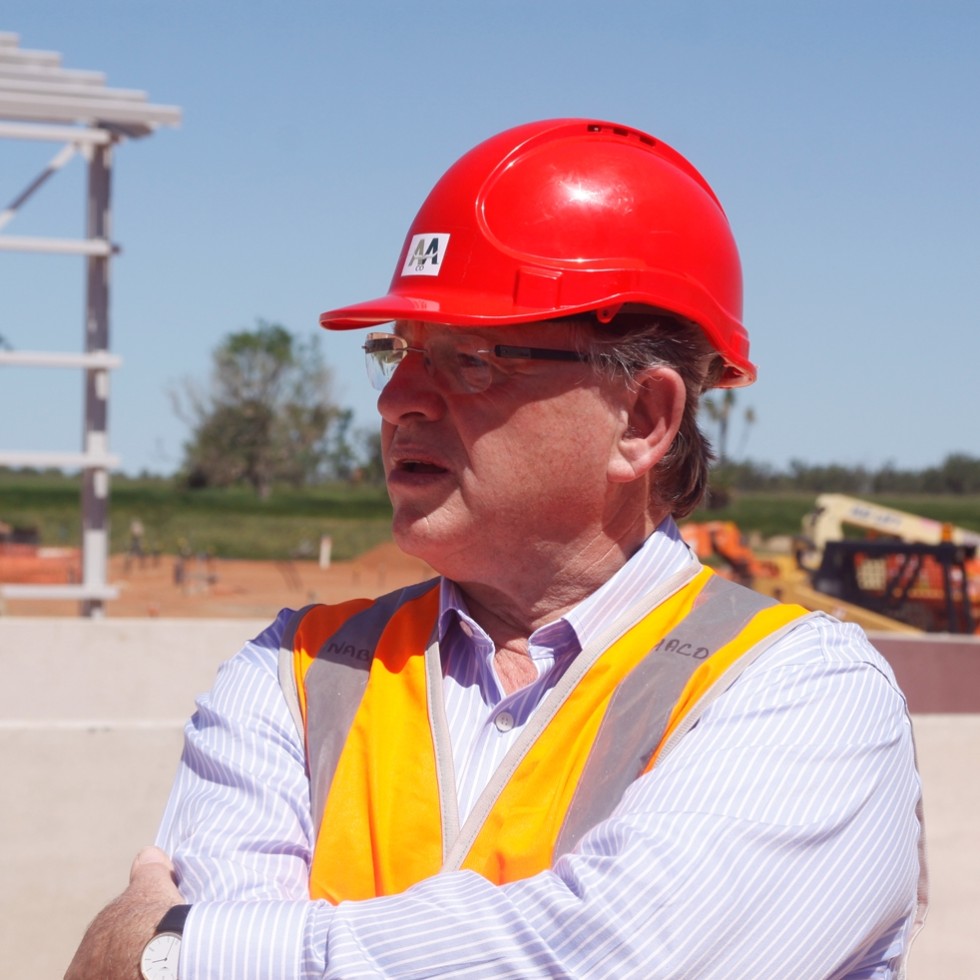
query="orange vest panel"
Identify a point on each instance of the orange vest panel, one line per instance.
(382, 828)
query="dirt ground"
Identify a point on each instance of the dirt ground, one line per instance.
(224, 589)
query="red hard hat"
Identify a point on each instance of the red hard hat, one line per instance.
(562, 217)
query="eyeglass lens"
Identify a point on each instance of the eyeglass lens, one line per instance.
(454, 365)
(456, 368)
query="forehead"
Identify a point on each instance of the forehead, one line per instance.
(544, 334)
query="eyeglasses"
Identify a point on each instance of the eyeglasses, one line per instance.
(457, 367)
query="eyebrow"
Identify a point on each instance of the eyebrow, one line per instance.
(462, 333)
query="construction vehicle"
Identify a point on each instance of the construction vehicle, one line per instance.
(918, 571)
(835, 510)
(24, 561)
(722, 543)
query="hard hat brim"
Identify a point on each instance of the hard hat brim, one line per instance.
(396, 306)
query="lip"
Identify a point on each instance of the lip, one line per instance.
(404, 484)
(411, 465)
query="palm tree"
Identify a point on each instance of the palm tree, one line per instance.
(720, 412)
(749, 418)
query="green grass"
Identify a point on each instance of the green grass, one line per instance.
(767, 513)
(782, 513)
(236, 524)
(226, 523)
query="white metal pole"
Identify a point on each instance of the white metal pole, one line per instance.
(95, 478)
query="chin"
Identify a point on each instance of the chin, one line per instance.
(415, 537)
(440, 549)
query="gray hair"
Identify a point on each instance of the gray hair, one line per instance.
(634, 342)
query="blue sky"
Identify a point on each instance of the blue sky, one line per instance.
(842, 138)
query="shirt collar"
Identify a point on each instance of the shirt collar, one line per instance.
(661, 555)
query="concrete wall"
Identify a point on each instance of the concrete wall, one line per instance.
(91, 713)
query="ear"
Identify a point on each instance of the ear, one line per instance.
(652, 418)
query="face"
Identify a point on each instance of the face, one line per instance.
(482, 480)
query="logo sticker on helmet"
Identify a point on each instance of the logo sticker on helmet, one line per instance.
(425, 255)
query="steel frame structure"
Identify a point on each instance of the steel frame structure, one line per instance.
(41, 100)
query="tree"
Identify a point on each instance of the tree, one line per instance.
(961, 473)
(720, 412)
(373, 468)
(341, 459)
(265, 414)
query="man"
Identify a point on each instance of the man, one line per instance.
(577, 753)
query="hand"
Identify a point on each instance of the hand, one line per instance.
(113, 943)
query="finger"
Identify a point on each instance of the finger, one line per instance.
(150, 861)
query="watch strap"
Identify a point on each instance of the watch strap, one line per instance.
(173, 920)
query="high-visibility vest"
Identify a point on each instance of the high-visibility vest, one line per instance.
(365, 681)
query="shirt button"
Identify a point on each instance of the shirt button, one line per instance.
(504, 722)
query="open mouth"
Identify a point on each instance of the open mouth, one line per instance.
(419, 466)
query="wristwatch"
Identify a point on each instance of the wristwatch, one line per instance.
(161, 953)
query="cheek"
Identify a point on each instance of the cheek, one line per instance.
(562, 447)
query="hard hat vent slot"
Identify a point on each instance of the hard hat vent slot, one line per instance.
(622, 131)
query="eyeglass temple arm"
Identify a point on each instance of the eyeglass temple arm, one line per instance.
(538, 353)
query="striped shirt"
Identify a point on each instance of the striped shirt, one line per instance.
(778, 840)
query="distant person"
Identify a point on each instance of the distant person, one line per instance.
(136, 533)
(578, 752)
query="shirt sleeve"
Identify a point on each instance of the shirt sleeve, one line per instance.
(779, 839)
(238, 823)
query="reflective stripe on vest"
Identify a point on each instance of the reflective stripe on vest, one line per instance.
(382, 782)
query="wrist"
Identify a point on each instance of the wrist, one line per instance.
(160, 957)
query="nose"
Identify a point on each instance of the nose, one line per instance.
(411, 391)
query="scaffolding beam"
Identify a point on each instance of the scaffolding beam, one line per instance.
(40, 100)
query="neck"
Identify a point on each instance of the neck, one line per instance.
(542, 586)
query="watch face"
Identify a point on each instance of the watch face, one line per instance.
(160, 957)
